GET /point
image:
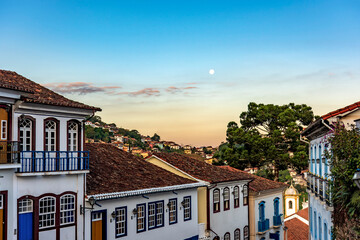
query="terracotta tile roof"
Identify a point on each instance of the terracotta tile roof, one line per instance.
(304, 213)
(113, 170)
(37, 93)
(200, 169)
(297, 230)
(259, 183)
(341, 110)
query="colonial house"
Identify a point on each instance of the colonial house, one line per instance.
(223, 204)
(42, 161)
(320, 207)
(265, 207)
(129, 198)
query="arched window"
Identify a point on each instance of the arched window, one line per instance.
(236, 197)
(290, 204)
(216, 200)
(50, 135)
(237, 234)
(315, 228)
(246, 233)
(73, 136)
(26, 132)
(47, 212)
(227, 236)
(245, 195)
(67, 209)
(320, 226)
(325, 231)
(276, 206)
(262, 211)
(226, 199)
(216, 238)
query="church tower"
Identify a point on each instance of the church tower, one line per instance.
(291, 201)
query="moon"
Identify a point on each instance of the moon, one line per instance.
(211, 71)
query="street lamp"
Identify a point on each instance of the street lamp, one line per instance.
(356, 177)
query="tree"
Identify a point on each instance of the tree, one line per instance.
(269, 134)
(155, 137)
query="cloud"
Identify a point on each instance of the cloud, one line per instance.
(173, 89)
(148, 92)
(81, 88)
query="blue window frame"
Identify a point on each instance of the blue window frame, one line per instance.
(315, 159)
(186, 203)
(326, 163)
(320, 226)
(276, 206)
(311, 159)
(320, 162)
(310, 220)
(141, 217)
(172, 211)
(315, 228)
(325, 231)
(155, 214)
(262, 211)
(120, 222)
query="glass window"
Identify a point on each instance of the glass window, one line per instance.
(290, 204)
(245, 195)
(236, 197)
(226, 198)
(325, 232)
(172, 211)
(67, 209)
(187, 208)
(246, 233)
(320, 226)
(227, 236)
(237, 234)
(25, 206)
(50, 135)
(120, 221)
(159, 214)
(140, 218)
(25, 137)
(216, 200)
(156, 214)
(151, 215)
(73, 136)
(46, 212)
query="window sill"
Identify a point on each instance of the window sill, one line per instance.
(51, 173)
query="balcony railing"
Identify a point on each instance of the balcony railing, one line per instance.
(9, 152)
(53, 161)
(263, 225)
(277, 220)
(321, 192)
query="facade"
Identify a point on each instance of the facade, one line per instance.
(291, 197)
(223, 209)
(265, 207)
(320, 207)
(42, 162)
(137, 200)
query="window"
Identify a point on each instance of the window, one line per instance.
(320, 226)
(151, 215)
(67, 209)
(227, 236)
(50, 135)
(172, 211)
(25, 206)
(187, 208)
(246, 233)
(140, 226)
(245, 195)
(120, 221)
(3, 130)
(216, 200)
(310, 220)
(73, 134)
(325, 232)
(226, 199)
(237, 234)
(276, 206)
(155, 214)
(315, 228)
(236, 197)
(320, 162)
(290, 204)
(46, 212)
(25, 134)
(160, 214)
(262, 211)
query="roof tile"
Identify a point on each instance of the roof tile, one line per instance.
(297, 230)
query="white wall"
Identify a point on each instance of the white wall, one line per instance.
(320, 208)
(178, 231)
(228, 221)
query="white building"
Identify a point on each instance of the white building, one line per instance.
(137, 200)
(320, 208)
(42, 162)
(223, 208)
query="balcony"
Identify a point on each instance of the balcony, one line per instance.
(9, 152)
(277, 220)
(321, 192)
(53, 161)
(263, 226)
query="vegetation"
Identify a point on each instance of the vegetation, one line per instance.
(268, 134)
(97, 134)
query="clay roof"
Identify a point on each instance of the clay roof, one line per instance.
(259, 183)
(304, 213)
(297, 230)
(113, 170)
(200, 169)
(37, 93)
(341, 110)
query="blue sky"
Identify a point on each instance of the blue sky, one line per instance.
(146, 63)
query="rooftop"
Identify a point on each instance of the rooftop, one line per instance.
(35, 93)
(259, 183)
(200, 169)
(298, 225)
(113, 170)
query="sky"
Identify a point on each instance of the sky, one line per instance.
(147, 63)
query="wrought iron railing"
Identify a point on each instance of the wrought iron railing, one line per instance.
(53, 161)
(321, 191)
(9, 152)
(263, 225)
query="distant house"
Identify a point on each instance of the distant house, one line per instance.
(187, 151)
(135, 200)
(187, 147)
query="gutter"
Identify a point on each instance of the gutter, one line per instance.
(323, 122)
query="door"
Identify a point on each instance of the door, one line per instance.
(98, 225)
(25, 219)
(3, 135)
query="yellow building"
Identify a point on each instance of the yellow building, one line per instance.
(291, 196)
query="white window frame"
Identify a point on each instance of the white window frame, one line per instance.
(172, 211)
(216, 199)
(159, 214)
(50, 135)
(25, 135)
(140, 218)
(67, 209)
(187, 208)
(226, 199)
(73, 131)
(151, 215)
(25, 206)
(120, 221)
(236, 197)
(49, 212)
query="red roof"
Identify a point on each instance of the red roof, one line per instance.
(259, 183)
(200, 169)
(304, 213)
(113, 170)
(297, 230)
(341, 110)
(37, 93)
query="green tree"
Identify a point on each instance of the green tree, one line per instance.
(156, 137)
(268, 134)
